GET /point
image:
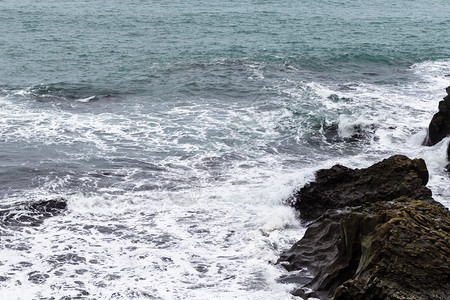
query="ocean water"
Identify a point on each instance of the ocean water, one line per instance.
(178, 130)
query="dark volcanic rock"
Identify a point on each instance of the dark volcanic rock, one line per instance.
(318, 252)
(443, 107)
(340, 186)
(396, 249)
(439, 127)
(49, 207)
(31, 214)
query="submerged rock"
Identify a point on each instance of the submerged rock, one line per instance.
(49, 207)
(395, 249)
(340, 186)
(32, 214)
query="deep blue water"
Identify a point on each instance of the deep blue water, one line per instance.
(177, 130)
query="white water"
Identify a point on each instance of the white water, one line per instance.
(212, 221)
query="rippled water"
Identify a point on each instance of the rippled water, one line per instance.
(177, 132)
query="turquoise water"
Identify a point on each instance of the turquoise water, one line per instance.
(178, 130)
(129, 47)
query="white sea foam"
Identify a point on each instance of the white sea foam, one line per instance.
(435, 74)
(213, 237)
(188, 201)
(134, 247)
(88, 99)
(398, 116)
(348, 126)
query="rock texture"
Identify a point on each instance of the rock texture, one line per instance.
(340, 186)
(405, 251)
(385, 237)
(439, 127)
(396, 249)
(319, 252)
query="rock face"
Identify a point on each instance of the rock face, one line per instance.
(319, 252)
(396, 249)
(340, 186)
(439, 127)
(405, 251)
(380, 235)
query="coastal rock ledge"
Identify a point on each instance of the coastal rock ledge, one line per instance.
(379, 245)
(340, 186)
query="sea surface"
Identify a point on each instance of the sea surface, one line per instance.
(177, 130)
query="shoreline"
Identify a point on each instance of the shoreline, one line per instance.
(374, 233)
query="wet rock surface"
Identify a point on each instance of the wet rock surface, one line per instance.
(340, 186)
(318, 252)
(31, 214)
(386, 246)
(439, 127)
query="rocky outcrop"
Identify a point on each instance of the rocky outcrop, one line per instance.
(439, 127)
(380, 235)
(340, 186)
(49, 207)
(31, 214)
(397, 249)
